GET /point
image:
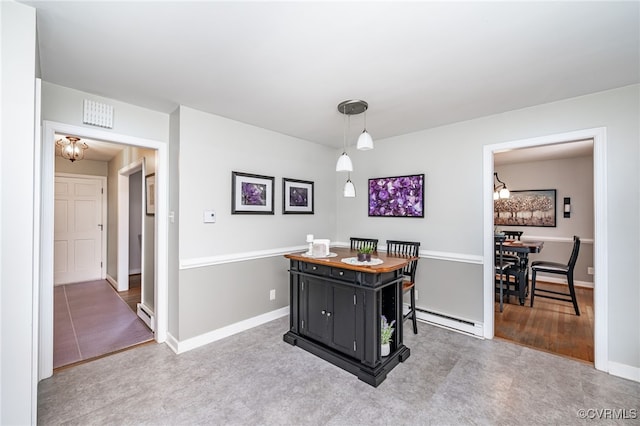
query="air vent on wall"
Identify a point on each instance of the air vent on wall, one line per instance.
(98, 114)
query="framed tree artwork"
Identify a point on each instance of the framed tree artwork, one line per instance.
(536, 207)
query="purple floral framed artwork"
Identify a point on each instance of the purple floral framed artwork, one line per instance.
(397, 196)
(251, 194)
(297, 196)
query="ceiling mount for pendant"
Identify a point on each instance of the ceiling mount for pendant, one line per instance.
(353, 107)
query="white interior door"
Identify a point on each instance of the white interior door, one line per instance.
(78, 229)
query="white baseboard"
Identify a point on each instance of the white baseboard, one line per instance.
(210, 337)
(147, 315)
(135, 271)
(112, 281)
(558, 280)
(625, 371)
(451, 323)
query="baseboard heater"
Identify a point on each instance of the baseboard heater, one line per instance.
(452, 323)
(147, 316)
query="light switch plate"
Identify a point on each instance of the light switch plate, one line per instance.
(209, 216)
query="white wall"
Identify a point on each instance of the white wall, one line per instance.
(19, 197)
(451, 158)
(65, 105)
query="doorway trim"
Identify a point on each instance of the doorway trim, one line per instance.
(45, 175)
(601, 286)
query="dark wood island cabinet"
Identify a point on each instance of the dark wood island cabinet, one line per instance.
(336, 310)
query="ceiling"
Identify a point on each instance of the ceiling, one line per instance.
(285, 66)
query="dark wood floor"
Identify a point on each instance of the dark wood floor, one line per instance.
(550, 325)
(132, 296)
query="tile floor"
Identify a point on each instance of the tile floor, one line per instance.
(254, 378)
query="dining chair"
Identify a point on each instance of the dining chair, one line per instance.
(561, 269)
(407, 248)
(511, 274)
(503, 268)
(360, 243)
(513, 235)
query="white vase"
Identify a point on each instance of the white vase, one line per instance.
(385, 349)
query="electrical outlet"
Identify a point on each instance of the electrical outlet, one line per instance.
(272, 294)
(416, 294)
(590, 270)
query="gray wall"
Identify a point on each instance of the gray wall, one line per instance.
(84, 167)
(211, 147)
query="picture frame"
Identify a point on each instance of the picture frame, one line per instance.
(297, 196)
(534, 207)
(150, 194)
(397, 196)
(251, 194)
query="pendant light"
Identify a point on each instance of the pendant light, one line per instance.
(71, 148)
(344, 163)
(500, 190)
(349, 190)
(365, 142)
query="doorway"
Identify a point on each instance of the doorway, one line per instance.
(598, 135)
(44, 301)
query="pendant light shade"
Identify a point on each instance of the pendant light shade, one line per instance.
(344, 163)
(349, 190)
(500, 189)
(71, 148)
(365, 142)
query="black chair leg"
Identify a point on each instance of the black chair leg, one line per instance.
(413, 310)
(572, 290)
(533, 287)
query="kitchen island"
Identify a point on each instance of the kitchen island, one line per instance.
(336, 306)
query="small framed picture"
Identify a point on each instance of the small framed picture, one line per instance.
(297, 196)
(150, 194)
(251, 194)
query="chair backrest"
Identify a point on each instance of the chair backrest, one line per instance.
(500, 251)
(574, 253)
(405, 248)
(513, 235)
(360, 243)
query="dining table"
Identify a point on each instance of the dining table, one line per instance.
(523, 249)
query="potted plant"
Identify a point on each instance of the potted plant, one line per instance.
(364, 254)
(386, 332)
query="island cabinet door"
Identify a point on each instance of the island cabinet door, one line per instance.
(343, 321)
(314, 310)
(329, 315)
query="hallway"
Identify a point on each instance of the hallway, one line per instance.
(92, 320)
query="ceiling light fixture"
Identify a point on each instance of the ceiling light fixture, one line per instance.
(500, 190)
(344, 163)
(365, 142)
(349, 190)
(71, 148)
(349, 108)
